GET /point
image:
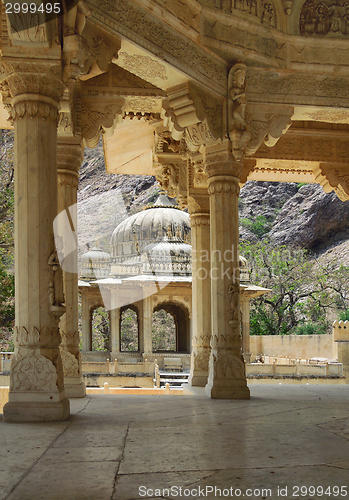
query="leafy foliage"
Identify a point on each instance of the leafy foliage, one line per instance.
(100, 330)
(129, 330)
(258, 226)
(164, 331)
(7, 282)
(303, 288)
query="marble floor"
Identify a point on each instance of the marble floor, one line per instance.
(286, 442)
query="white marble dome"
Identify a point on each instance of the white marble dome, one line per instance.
(137, 237)
(95, 264)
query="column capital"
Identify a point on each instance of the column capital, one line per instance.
(198, 205)
(27, 81)
(69, 159)
(220, 163)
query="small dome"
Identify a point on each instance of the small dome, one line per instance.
(169, 256)
(152, 225)
(95, 264)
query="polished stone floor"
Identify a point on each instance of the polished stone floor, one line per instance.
(132, 447)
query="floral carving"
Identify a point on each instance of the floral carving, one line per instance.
(228, 366)
(33, 373)
(70, 364)
(143, 66)
(94, 120)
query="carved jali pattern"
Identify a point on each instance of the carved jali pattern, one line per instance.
(324, 17)
(33, 373)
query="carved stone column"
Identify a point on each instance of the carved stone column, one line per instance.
(245, 323)
(32, 91)
(201, 289)
(69, 156)
(86, 326)
(115, 331)
(227, 378)
(147, 325)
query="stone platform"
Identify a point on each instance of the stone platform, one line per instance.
(113, 445)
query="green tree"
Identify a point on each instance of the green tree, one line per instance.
(303, 289)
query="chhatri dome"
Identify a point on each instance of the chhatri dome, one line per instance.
(95, 264)
(156, 239)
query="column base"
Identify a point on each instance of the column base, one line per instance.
(235, 390)
(75, 390)
(17, 411)
(198, 380)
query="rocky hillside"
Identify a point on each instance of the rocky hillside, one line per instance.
(287, 213)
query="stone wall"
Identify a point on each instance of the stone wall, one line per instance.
(295, 346)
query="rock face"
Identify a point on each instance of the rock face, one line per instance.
(311, 219)
(287, 213)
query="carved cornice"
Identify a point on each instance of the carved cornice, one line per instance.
(142, 27)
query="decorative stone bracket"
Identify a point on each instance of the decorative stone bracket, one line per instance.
(96, 119)
(199, 113)
(333, 178)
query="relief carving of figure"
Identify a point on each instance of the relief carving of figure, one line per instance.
(238, 127)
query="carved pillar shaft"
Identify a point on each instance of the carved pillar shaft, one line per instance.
(68, 162)
(227, 379)
(115, 331)
(201, 293)
(86, 324)
(245, 323)
(147, 325)
(36, 389)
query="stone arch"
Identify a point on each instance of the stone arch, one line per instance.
(100, 328)
(182, 323)
(129, 328)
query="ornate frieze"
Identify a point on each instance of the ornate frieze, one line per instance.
(141, 26)
(324, 17)
(44, 338)
(297, 89)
